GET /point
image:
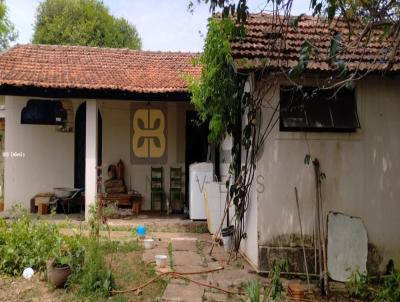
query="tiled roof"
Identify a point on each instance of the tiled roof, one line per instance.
(80, 67)
(282, 44)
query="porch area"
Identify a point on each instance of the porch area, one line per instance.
(133, 155)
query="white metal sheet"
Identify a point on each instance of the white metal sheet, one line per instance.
(347, 246)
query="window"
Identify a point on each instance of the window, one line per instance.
(311, 109)
(43, 112)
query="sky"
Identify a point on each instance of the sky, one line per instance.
(164, 25)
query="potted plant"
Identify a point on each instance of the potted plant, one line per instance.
(59, 268)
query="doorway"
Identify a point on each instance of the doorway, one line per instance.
(196, 145)
(80, 145)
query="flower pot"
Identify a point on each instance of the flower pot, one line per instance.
(57, 276)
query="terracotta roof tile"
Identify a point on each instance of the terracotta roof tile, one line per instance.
(81, 67)
(279, 41)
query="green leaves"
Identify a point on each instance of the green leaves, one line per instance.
(82, 22)
(332, 6)
(304, 57)
(307, 159)
(215, 94)
(294, 22)
(26, 243)
(96, 279)
(335, 45)
(7, 30)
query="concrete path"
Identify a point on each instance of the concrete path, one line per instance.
(189, 253)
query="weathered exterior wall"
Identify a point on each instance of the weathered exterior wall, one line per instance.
(48, 159)
(362, 172)
(116, 144)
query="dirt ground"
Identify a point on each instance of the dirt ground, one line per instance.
(19, 289)
(187, 252)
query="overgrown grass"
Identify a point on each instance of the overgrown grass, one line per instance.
(170, 256)
(385, 289)
(96, 279)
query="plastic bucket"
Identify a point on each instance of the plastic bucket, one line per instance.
(161, 261)
(227, 238)
(148, 243)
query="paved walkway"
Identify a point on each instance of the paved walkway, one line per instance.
(189, 253)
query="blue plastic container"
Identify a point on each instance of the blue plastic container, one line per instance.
(141, 231)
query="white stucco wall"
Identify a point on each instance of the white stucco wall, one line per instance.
(48, 159)
(116, 144)
(362, 171)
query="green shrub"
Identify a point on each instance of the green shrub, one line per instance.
(357, 285)
(26, 243)
(389, 291)
(276, 282)
(96, 279)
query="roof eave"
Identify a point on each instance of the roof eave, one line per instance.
(105, 94)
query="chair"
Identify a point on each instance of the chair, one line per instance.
(157, 189)
(175, 189)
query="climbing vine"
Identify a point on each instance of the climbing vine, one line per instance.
(215, 95)
(221, 99)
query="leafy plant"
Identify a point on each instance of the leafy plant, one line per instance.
(26, 243)
(215, 94)
(389, 291)
(276, 282)
(357, 284)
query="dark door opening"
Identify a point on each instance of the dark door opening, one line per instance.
(196, 145)
(80, 144)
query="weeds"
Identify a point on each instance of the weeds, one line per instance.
(170, 256)
(109, 246)
(357, 285)
(276, 283)
(389, 291)
(96, 279)
(274, 291)
(253, 291)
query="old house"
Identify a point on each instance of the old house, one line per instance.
(354, 135)
(71, 110)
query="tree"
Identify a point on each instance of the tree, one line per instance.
(7, 30)
(82, 22)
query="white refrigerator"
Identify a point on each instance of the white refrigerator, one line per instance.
(199, 175)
